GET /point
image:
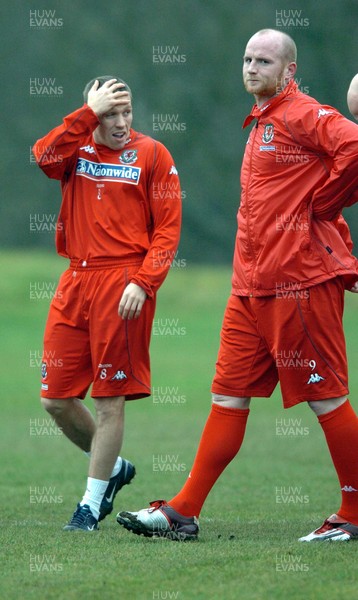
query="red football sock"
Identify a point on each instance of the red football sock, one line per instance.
(220, 442)
(340, 427)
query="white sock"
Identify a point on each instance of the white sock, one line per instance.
(117, 467)
(94, 495)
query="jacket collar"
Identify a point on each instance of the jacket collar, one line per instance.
(256, 112)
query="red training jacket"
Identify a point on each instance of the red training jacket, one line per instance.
(299, 170)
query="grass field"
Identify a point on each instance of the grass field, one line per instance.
(280, 486)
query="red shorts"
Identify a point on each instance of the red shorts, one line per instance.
(87, 342)
(296, 338)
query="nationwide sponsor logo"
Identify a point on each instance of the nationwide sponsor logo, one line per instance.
(268, 133)
(128, 157)
(107, 171)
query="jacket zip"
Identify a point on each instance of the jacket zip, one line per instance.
(247, 211)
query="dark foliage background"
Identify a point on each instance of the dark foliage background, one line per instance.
(203, 92)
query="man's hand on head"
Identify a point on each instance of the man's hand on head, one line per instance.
(102, 99)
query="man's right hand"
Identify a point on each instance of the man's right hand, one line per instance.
(102, 99)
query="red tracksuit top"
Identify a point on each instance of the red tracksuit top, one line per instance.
(123, 204)
(299, 170)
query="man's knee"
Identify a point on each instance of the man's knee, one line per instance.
(56, 406)
(109, 408)
(231, 401)
(321, 407)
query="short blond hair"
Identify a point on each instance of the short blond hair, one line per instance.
(289, 48)
(102, 79)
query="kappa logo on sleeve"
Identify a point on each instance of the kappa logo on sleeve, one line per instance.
(107, 171)
(173, 171)
(88, 149)
(322, 112)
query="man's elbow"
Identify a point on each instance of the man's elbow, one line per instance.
(352, 97)
(353, 105)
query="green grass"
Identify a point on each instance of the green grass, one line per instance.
(247, 547)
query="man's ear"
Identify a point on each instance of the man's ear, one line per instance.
(291, 70)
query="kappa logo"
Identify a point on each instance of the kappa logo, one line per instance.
(348, 488)
(322, 112)
(173, 171)
(315, 378)
(268, 133)
(119, 375)
(88, 149)
(128, 157)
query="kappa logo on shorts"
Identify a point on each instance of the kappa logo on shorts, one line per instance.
(315, 378)
(119, 375)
